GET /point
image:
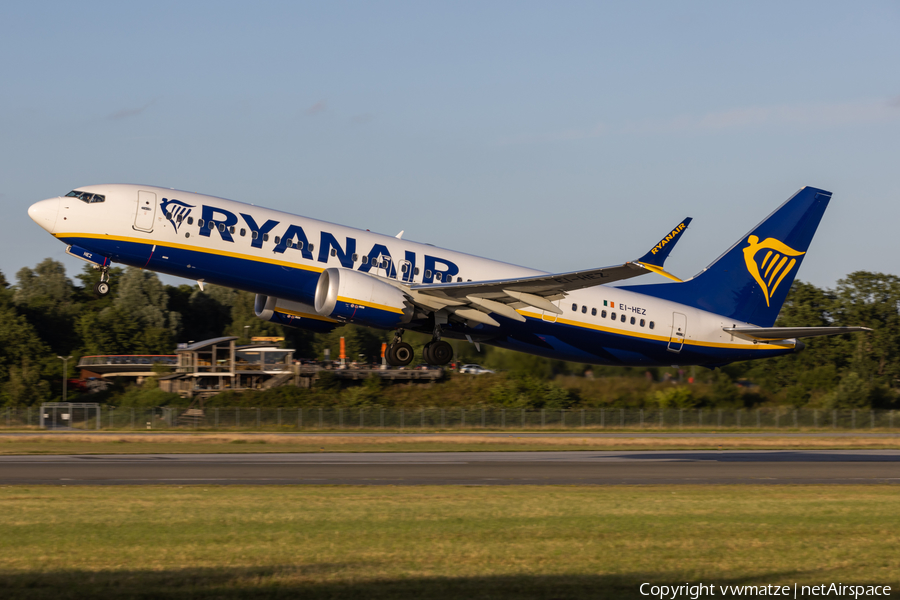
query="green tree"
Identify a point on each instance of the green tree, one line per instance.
(46, 285)
(24, 360)
(137, 322)
(207, 313)
(47, 299)
(871, 300)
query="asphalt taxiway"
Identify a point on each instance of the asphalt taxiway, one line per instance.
(461, 468)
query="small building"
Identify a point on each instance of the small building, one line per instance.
(135, 366)
(216, 365)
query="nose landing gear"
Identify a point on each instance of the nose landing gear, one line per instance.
(102, 288)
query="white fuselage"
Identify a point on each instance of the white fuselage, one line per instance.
(168, 231)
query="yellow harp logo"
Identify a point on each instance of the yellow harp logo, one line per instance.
(776, 263)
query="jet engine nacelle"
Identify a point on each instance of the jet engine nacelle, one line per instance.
(354, 297)
(292, 314)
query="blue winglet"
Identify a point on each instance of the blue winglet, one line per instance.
(660, 252)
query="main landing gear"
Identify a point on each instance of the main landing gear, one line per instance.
(102, 288)
(399, 353)
(436, 352)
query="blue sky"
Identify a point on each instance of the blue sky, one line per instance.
(554, 135)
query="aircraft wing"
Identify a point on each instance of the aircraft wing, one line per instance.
(474, 300)
(786, 333)
(542, 285)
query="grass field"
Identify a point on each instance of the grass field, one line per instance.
(438, 542)
(242, 443)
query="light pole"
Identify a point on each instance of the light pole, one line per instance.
(247, 333)
(65, 360)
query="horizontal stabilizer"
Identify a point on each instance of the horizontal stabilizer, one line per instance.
(786, 333)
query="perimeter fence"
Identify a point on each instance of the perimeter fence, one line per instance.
(407, 419)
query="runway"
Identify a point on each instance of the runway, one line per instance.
(490, 434)
(460, 468)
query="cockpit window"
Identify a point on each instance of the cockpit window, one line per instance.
(86, 197)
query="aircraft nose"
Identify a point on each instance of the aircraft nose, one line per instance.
(44, 213)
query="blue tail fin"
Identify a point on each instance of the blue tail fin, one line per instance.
(751, 280)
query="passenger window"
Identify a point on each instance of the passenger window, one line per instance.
(355, 257)
(190, 220)
(427, 274)
(365, 259)
(404, 268)
(438, 276)
(231, 229)
(299, 245)
(642, 322)
(623, 318)
(200, 223)
(416, 271)
(212, 225)
(265, 237)
(255, 235)
(333, 252)
(651, 324)
(574, 307)
(632, 320)
(612, 316)
(312, 247)
(593, 312)
(243, 232)
(458, 279)
(603, 314)
(583, 309)
(222, 227)
(277, 239)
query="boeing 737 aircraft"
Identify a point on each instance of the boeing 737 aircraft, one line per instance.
(318, 275)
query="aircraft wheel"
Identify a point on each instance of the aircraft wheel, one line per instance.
(438, 353)
(102, 288)
(389, 356)
(401, 353)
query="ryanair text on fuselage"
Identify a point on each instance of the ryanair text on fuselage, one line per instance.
(294, 238)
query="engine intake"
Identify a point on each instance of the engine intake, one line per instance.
(354, 297)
